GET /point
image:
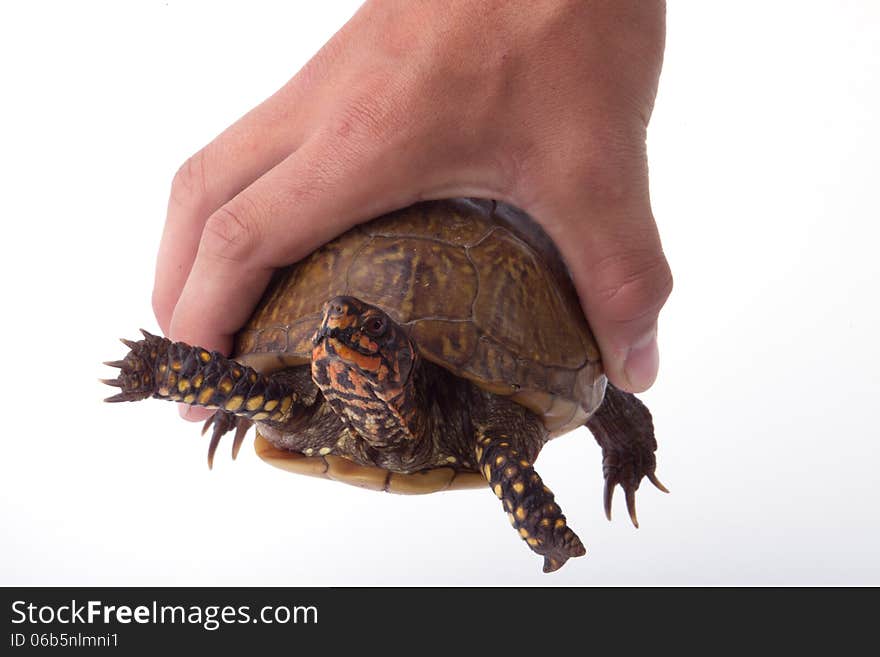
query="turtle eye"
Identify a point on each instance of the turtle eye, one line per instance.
(375, 326)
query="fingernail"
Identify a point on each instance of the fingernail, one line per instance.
(184, 409)
(642, 362)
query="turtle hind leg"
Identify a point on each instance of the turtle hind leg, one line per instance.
(530, 505)
(623, 427)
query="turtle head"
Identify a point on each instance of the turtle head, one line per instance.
(363, 361)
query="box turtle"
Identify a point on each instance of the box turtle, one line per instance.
(438, 347)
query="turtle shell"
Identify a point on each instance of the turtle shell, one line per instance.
(480, 288)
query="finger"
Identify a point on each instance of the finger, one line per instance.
(312, 196)
(609, 240)
(244, 151)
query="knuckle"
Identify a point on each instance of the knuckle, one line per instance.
(232, 232)
(189, 184)
(374, 113)
(632, 284)
(359, 118)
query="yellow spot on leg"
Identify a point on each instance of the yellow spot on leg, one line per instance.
(206, 395)
(254, 403)
(487, 471)
(560, 523)
(234, 403)
(498, 492)
(523, 532)
(205, 356)
(499, 460)
(520, 513)
(518, 487)
(270, 405)
(183, 385)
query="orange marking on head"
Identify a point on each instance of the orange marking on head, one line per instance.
(364, 342)
(366, 363)
(336, 370)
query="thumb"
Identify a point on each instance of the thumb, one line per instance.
(613, 251)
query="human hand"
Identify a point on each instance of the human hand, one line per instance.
(544, 105)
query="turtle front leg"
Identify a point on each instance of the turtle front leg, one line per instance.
(530, 505)
(623, 427)
(175, 371)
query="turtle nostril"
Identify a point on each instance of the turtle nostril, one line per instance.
(338, 307)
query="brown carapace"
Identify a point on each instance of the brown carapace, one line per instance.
(436, 348)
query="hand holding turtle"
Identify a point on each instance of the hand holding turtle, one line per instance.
(542, 105)
(382, 360)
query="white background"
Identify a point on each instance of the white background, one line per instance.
(764, 159)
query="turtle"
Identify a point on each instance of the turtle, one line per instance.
(437, 347)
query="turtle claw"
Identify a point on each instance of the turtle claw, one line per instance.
(626, 470)
(121, 397)
(212, 447)
(630, 490)
(223, 422)
(653, 479)
(631, 505)
(608, 495)
(114, 363)
(240, 432)
(125, 395)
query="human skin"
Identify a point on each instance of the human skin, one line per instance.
(544, 105)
